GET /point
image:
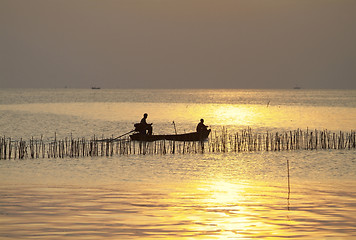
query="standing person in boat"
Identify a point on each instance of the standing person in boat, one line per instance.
(201, 127)
(144, 126)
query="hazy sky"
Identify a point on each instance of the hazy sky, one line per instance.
(178, 43)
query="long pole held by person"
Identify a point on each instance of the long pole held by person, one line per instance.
(113, 139)
(123, 135)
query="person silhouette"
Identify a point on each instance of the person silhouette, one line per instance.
(201, 127)
(145, 128)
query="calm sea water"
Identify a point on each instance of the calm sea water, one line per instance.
(191, 196)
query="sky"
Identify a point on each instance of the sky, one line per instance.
(178, 44)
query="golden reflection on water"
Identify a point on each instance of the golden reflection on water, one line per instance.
(240, 115)
(226, 114)
(223, 192)
(212, 209)
(288, 117)
(230, 212)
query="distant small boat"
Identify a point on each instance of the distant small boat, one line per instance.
(193, 136)
(95, 87)
(297, 87)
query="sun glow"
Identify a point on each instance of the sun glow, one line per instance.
(224, 192)
(227, 114)
(228, 206)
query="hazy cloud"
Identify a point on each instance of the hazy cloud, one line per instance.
(178, 43)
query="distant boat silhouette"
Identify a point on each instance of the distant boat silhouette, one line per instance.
(95, 87)
(297, 87)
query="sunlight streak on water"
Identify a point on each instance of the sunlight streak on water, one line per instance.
(175, 196)
(200, 210)
(186, 116)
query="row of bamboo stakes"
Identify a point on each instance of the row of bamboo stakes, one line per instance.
(243, 141)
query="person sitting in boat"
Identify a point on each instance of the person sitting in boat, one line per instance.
(201, 127)
(143, 127)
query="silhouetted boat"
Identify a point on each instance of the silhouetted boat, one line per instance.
(194, 136)
(95, 87)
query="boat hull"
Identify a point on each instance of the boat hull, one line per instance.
(194, 136)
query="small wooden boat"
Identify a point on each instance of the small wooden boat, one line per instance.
(194, 136)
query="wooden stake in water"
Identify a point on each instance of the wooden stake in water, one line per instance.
(288, 182)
